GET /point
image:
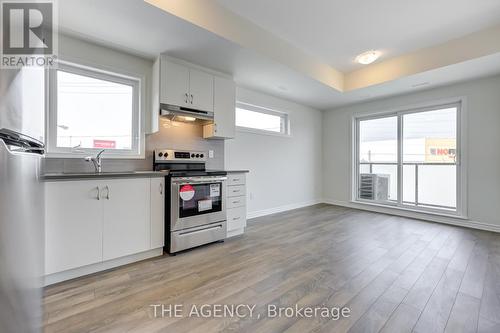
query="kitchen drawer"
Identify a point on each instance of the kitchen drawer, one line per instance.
(236, 179)
(236, 191)
(236, 218)
(188, 238)
(235, 202)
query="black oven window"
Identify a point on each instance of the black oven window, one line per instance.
(198, 199)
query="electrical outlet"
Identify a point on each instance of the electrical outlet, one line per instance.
(210, 154)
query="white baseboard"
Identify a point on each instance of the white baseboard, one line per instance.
(280, 209)
(417, 215)
(94, 268)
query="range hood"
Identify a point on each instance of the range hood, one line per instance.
(179, 113)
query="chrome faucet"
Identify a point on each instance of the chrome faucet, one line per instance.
(97, 161)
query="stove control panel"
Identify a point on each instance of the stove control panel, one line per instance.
(170, 155)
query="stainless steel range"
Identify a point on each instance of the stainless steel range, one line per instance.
(195, 207)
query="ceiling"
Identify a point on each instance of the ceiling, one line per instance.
(138, 28)
(269, 62)
(338, 30)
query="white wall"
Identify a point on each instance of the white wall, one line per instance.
(285, 172)
(483, 121)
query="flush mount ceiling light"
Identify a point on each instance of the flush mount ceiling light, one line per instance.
(368, 57)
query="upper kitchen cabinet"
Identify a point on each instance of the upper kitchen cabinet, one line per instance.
(223, 126)
(184, 86)
(188, 86)
(174, 83)
(201, 90)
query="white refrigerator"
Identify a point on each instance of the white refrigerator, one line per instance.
(21, 200)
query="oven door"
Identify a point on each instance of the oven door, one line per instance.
(197, 201)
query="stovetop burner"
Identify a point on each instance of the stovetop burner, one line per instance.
(177, 163)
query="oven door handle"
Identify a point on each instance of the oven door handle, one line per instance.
(196, 183)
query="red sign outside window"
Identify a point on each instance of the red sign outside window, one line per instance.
(105, 144)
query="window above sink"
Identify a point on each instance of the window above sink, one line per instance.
(90, 110)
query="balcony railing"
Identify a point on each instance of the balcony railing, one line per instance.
(417, 168)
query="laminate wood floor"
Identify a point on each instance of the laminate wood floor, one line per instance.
(394, 274)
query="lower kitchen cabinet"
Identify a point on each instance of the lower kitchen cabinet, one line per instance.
(94, 221)
(73, 225)
(236, 203)
(157, 212)
(126, 221)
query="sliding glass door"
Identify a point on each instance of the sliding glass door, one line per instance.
(430, 158)
(378, 159)
(410, 159)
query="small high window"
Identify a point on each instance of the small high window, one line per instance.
(261, 120)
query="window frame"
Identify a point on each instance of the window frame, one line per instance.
(284, 116)
(461, 159)
(52, 151)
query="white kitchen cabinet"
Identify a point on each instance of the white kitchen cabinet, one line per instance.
(157, 212)
(236, 220)
(95, 221)
(179, 83)
(201, 90)
(236, 204)
(174, 83)
(73, 225)
(236, 190)
(224, 125)
(126, 223)
(185, 86)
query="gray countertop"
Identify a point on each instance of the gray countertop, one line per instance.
(118, 174)
(93, 175)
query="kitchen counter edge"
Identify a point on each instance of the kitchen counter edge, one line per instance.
(49, 177)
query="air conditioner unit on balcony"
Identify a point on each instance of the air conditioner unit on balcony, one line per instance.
(374, 186)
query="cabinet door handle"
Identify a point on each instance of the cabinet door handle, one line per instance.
(236, 218)
(187, 98)
(191, 98)
(161, 188)
(107, 192)
(98, 193)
